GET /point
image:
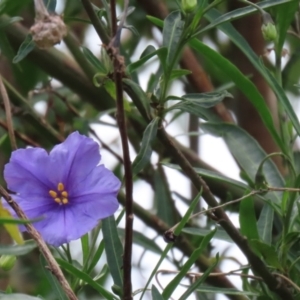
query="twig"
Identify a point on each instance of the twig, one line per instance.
(215, 274)
(118, 61)
(10, 127)
(293, 284)
(54, 267)
(27, 140)
(252, 193)
(40, 9)
(256, 263)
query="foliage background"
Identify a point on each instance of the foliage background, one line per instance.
(54, 92)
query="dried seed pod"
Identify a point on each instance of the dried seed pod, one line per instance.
(48, 31)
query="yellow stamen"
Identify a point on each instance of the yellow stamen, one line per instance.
(57, 200)
(64, 194)
(53, 194)
(60, 187)
(65, 201)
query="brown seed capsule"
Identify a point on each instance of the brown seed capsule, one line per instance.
(48, 31)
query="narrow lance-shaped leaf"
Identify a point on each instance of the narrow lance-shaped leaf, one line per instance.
(242, 44)
(186, 267)
(18, 250)
(177, 231)
(138, 97)
(155, 293)
(55, 285)
(248, 154)
(148, 53)
(265, 223)
(173, 28)
(200, 280)
(16, 296)
(144, 155)
(204, 100)
(85, 278)
(26, 47)
(239, 13)
(242, 82)
(113, 249)
(284, 15)
(248, 219)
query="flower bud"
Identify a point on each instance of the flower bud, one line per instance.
(48, 31)
(268, 28)
(188, 5)
(7, 262)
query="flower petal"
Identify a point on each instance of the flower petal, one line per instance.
(100, 180)
(25, 174)
(95, 206)
(73, 159)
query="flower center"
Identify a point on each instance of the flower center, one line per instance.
(60, 196)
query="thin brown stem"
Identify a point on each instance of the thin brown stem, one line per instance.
(118, 61)
(27, 140)
(10, 127)
(54, 267)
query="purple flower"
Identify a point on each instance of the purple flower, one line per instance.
(67, 187)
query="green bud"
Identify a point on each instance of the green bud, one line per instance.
(188, 5)
(268, 28)
(7, 262)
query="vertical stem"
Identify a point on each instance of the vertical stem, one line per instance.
(9, 121)
(113, 50)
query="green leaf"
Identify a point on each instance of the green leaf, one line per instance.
(242, 44)
(199, 281)
(172, 31)
(284, 15)
(113, 249)
(155, 293)
(50, 5)
(268, 252)
(18, 221)
(203, 100)
(140, 239)
(93, 60)
(240, 13)
(26, 47)
(138, 97)
(18, 297)
(18, 250)
(143, 157)
(169, 289)
(248, 219)
(248, 154)
(177, 231)
(265, 224)
(85, 247)
(225, 291)
(96, 257)
(158, 22)
(55, 285)
(148, 53)
(242, 82)
(219, 235)
(178, 73)
(5, 22)
(163, 199)
(86, 278)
